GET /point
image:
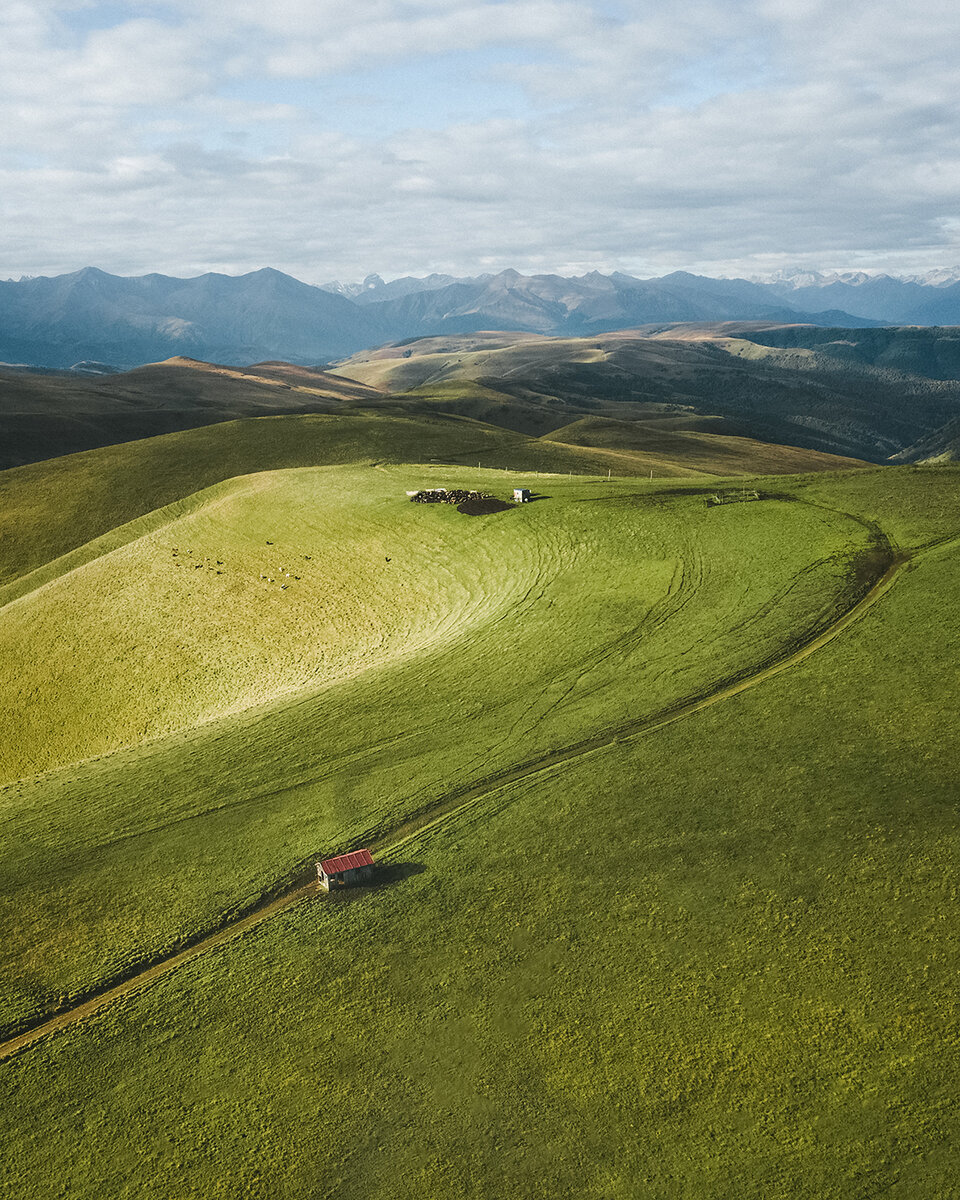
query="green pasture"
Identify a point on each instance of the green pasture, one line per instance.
(715, 960)
(187, 739)
(59, 507)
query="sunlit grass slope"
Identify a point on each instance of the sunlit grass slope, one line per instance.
(362, 692)
(49, 508)
(719, 960)
(258, 587)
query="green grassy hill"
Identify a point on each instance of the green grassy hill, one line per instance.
(254, 589)
(658, 920)
(700, 443)
(538, 626)
(51, 508)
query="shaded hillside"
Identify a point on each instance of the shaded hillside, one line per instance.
(43, 416)
(523, 383)
(933, 353)
(940, 447)
(818, 392)
(796, 394)
(701, 443)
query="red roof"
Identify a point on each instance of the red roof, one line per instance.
(347, 862)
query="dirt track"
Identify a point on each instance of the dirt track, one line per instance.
(451, 805)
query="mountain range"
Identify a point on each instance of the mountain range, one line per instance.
(126, 322)
(91, 317)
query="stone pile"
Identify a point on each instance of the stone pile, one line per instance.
(446, 496)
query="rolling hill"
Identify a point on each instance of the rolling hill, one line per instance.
(50, 414)
(666, 839)
(864, 395)
(50, 511)
(786, 385)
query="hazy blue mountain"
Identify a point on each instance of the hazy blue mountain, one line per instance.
(373, 289)
(592, 303)
(90, 315)
(929, 299)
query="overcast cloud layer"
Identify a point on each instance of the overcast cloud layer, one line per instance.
(332, 140)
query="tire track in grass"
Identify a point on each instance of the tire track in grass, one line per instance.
(388, 841)
(462, 800)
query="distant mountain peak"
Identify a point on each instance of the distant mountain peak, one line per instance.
(94, 316)
(942, 277)
(90, 275)
(801, 277)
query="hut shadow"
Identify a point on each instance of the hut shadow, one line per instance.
(534, 496)
(385, 875)
(389, 873)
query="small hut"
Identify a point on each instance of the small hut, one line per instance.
(346, 870)
(521, 495)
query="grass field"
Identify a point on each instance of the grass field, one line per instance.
(49, 509)
(713, 959)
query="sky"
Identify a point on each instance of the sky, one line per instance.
(332, 140)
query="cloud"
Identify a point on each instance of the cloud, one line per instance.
(703, 135)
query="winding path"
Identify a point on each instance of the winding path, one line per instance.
(456, 802)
